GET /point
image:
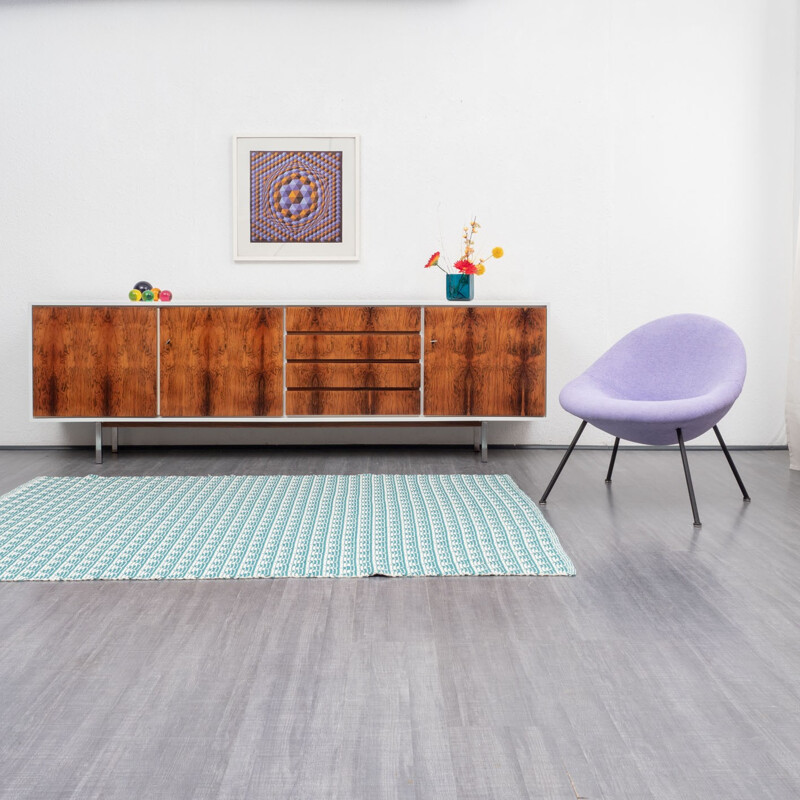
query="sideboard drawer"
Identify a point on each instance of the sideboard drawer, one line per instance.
(357, 402)
(353, 346)
(352, 375)
(352, 318)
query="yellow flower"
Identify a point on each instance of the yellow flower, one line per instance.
(480, 269)
(497, 252)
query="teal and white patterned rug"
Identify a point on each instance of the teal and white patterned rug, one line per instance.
(259, 526)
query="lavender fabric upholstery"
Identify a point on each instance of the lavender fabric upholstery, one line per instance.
(683, 371)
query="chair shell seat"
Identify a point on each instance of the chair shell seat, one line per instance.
(683, 371)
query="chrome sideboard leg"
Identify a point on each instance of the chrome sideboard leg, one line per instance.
(114, 439)
(484, 443)
(476, 438)
(98, 443)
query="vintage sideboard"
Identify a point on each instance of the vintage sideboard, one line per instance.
(154, 364)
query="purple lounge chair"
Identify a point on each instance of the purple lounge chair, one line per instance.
(668, 381)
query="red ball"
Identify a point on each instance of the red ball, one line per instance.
(165, 295)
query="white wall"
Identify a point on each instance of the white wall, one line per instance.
(634, 159)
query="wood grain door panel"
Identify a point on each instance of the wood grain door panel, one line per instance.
(356, 402)
(352, 375)
(353, 318)
(94, 361)
(353, 346)
(222, 361)
(485, 361)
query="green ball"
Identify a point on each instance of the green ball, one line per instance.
(148, 295)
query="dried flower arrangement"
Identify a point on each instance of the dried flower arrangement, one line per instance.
(467, 264)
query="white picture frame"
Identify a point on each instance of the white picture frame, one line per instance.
(296, 198)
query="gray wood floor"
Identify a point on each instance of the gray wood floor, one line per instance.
(668, 668)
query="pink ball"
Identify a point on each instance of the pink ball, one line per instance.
(165, 295)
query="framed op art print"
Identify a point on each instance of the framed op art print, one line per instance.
(295, 198)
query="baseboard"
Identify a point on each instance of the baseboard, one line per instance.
(757, 447)
(640, 447)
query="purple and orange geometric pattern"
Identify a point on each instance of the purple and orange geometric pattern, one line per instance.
(296, 197)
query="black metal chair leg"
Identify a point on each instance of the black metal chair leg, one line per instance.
(745, 496)
(563, 461)
(688, 478)
(613, 459)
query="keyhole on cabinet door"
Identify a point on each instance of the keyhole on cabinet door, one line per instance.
(168, 342)
(433, 342)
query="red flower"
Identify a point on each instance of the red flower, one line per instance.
(465, 267)
(433, 261)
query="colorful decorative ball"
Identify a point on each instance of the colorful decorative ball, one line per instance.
(143, 286)
(148, 296)
(156, 292)
(165, 295)
(135, 295)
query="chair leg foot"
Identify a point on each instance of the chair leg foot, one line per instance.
(613, 459)
(688, 475)
(571, 447)
(745, 496)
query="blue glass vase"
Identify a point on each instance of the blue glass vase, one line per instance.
(460, 287)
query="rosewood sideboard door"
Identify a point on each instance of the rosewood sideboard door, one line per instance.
(221, 361)
(485, 361)
(94, 361)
